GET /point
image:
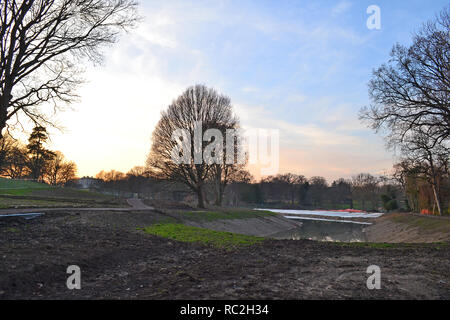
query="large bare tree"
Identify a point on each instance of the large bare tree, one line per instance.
(43, 44)
(411, 100)
(195, 111)
(412, 91)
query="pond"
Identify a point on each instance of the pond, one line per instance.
(323, 228)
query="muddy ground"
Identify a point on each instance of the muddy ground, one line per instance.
(118, 261)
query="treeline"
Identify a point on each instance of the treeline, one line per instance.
(364, 191)
(405, 190)
(400, 191)
(34, 161)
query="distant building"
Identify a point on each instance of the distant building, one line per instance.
(88, 183)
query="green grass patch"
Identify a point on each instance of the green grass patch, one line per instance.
(373, 245)
(219, 239)
(20, 193)
(224, 215)
(21, 184)
(20, 187)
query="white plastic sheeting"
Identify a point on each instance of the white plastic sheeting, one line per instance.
(330, 220)
(337, 214)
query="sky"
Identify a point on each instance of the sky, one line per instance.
(301, 67)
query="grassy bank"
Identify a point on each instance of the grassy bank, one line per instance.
(20, 187)
(26, 194)
(183, 233)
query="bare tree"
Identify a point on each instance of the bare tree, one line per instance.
(13, 158)
(59, 170)
(364, 189)
(430, 159)
(198, 109)
(110, 176)
(412, 91)
(318, 187)
(6, 145)
(43, 42)
(340, 192)
(228, 170)
(68, 172)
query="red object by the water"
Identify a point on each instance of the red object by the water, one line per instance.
(427, 212)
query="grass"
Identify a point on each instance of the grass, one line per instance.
(374, 245)
(224, 215)
(219, 239)
(20, 187)
(20, 193)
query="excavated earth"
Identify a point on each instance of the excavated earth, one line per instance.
(119, 261)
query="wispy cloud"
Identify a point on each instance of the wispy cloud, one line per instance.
(297, 67)
(341, 7)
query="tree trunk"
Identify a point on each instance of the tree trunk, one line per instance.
(220, 189)
(437, 200)
(201, 199)
(4, 102)
(219, 197)
(434, 183)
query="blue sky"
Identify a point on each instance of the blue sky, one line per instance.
(298, 66)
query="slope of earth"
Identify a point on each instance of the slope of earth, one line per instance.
(403, 227)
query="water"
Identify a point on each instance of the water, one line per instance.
(325, 229)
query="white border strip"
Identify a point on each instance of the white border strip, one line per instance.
(319, 219)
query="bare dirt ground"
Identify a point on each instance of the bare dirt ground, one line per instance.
(118, 261)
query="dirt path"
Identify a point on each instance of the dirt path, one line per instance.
(138, 204)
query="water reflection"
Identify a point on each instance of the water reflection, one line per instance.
(323, 230)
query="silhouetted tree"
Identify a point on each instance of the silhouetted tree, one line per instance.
(13, 154)
(318, 187)
(412, 92)
(59, 170)
(38, 155)
(42, 44)
(364, 190)
(198, 109)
